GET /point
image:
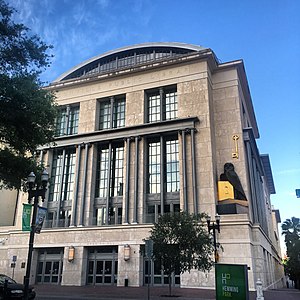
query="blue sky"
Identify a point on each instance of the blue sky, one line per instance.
(264, 33)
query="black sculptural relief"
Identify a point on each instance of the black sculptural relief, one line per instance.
(231, 176)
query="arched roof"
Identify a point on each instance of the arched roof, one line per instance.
(128, 56)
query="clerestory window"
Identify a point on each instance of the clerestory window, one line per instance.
(112, 113)
(161, 104)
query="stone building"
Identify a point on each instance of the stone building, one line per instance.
(146, 130)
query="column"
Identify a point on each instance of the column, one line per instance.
(194, 175)
(127, 186)
(61, 186)
(83, 187)
(184, 173)
(162, 172)
(75, 200)
(136, 179)
(108, 184)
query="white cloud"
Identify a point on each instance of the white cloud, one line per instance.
(103, 3)
(81, 29)
(287, 171)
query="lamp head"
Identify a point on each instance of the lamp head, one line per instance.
(208, 219)
(126, 252)
(71, 253)
(44, 178)
(31, 180)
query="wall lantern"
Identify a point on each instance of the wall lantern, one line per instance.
(126, 252)
(71, 253)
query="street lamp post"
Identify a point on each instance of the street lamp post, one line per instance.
(214, 226)
(35, 191)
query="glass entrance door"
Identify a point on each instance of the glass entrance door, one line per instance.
(102, 266)
(51, 274)
(102, 272)
(50, 265)
(155, 275)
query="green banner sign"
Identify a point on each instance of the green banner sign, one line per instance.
(231, 282)
(26, 217)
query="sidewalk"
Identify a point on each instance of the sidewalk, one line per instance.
(51, 292)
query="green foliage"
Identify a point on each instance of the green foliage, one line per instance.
(20, 52)
(27, 110)
(291, 230)
(13, 167)
(181, 242)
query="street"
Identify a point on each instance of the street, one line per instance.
(50, 292)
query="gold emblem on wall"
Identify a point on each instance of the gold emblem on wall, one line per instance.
(235, 138)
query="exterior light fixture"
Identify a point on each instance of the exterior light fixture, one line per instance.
(44, 178)
(215, 225)
(31, 178)
(126, 252)
(36, 190)
(71, 253)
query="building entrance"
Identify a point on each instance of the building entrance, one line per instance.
(50, 265)
(155, 275)
(102, 266)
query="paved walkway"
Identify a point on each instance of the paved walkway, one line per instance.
(51, 292)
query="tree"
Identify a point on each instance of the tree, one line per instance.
(291, 230)
(27, 110)
(181, 242)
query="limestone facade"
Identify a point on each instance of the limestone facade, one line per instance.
(213, 104)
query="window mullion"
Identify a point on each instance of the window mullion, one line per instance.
(162, 173)
(61, 185)
(108, 183)
(113, 170)
(127, 180)
(66, 129)
(111, 112)
(161, 96)
(184, 171)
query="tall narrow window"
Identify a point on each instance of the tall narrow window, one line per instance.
(105, 115)
(171, 105)
(67, 121)
(154, 107)
(162, 104)
(102, 173)
(109, 184)
(119, 113)
(112, 113)
(73, 120)
(62, 176)
(69, 175)
(56, 176)
(170, 166)
(116, 159)
(154, 168)
(163, 181)
(61, 123)
(117, 172)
